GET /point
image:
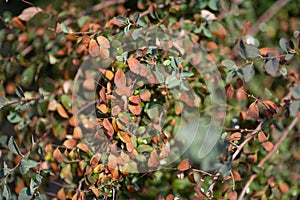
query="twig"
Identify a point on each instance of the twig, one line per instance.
(257, 129)
(273, 10)
(101, 5)
(275, 148)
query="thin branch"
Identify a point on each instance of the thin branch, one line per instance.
(275, 148)
(241, 146)
(273, 10)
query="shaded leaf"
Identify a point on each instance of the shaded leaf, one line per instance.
(236, 136)
(296, 91)
(120, 20)
(66, 101)
(248, 72)
(145, 95)
(284, 44)
(25, 194)
(19, 92)
(29, 13)
(247, 50)
(272, 66)
(103, 42)
(253, 110)
(13, 147)
(217, 29)
(26, 164)
(153, 160)
(229, 91)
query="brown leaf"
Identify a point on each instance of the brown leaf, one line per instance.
(218, 29)
(103, 42)
(236, 136)
(268, 146)
(229, 91)
(239, 83)
(253, 110)
(112, 161)
(232, 195)
(29, 13)
(115, 110)
(61, 111)
(145, 95)
(104, 53)
(240, 95)
(144, 71)
(70, 143)
(246, 27)
(184, 165)
(107, 125)
(125, 137)
(57, 155)
(93, 48)
(124, 91)
(77, 133)
(271, 105)
(283, 187)
(211, 46)
(120, 79)
(135, 109)
(262, 137)
(61, 194)
(95, 160)
(236, 175)
(52, 105)
(153, 160)
(134, 65)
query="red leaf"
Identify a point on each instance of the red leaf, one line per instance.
(107, 125)
(120, 79)
(134, 65)
(184, 165)
(253, 110)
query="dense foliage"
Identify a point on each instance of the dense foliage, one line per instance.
(156, 100)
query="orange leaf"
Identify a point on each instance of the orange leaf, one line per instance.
(83, 147)
(145, 95)
(129, 147)
(102, 108)
(93, 48)
(170, 197)
(262, 137)
(144, 71)
(70, 143)
(61, 111)
(135, 99)
(124, 91)
(103, 42)
(232, 195)
(135, 109)
(104, 53)
(211, 46)
(125, 137)
(77, 133)
(107, 125)
(283, 187)
(268, 146)
(265, 50)
(153, 160)
(95, 160)
(109, 74)
(120, 79)
(57, 155)
(134, 65)
(184, 165)
(271, 105)
(218, 29)
(236, 136)
(253, 110)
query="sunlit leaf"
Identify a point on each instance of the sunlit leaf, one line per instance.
(57, 155)
(61, 111)
(70, 143)
(268, 146)
(135, 109)
(184, 165)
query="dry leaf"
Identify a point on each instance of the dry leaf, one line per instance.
(153, 160)
(210, 46)
(29, 13)
(229, 91)
(103, 108)
(236, 136)
(77, 133)
(103, 42)
(135, 109)
(253, 110)
(93, 48)
(95, 160)
(107, 125)
(134, 65)
(125, 137)
(184, 165)
(57, 155)
(61, 111)
(268, 146)
(120, 79)
(109, 74)
(104, 53)
(262, 137)
(70, 143)
(83, 147)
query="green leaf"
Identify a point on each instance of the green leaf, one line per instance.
(3, 102)
(25, 194)
(289, 57)
(294, 108)
(247, 50)
(229, 64)
(19, 92)
(41, 197)
(144, 148)
(66, 101)
(27, 76)
(120, 20)
(135, 34)
(159, 76)
(6, 192)
(141, 22)
(35, 182)
(174, 63)
(81, 21)
(284, 44)
(213, 4)
(13, 147)
(154, 111)
(26, 164)
(248, 72)
(296, 91)
(272, 66)
(64, 28)
(14, 117)
(136, 17)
